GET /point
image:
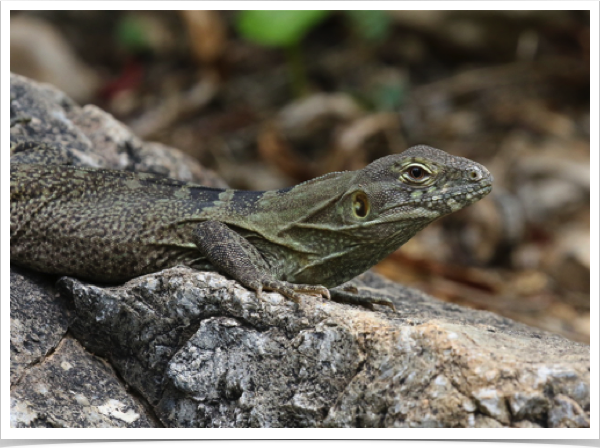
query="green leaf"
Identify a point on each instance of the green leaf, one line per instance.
(277, 28)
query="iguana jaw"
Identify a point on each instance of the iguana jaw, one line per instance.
(437, 203)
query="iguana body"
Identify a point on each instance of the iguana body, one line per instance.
(110, 226)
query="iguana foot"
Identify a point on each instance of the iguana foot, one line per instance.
(352, 295)
(291, 290)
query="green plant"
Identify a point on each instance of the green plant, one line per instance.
(277, 28)
(282, 29)
(286, 29)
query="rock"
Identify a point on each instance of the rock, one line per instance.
(200, 350)
(95, 138)
(205, 352)
(38, 321)
(74, 389)
(54, 381)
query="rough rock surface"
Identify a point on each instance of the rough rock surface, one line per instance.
(183, 348)
(54, 381)
(206, 352)
(74, 389)
(38, 321)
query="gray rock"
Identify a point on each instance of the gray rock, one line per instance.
(54, 381)
(206, 352)
(74, 389)
(37, 321)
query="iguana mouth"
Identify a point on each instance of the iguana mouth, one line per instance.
(470, 193)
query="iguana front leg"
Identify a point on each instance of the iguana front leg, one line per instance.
(231, 253)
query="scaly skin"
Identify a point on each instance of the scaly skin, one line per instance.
(110, 226)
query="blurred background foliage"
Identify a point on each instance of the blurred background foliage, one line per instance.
(271, 98)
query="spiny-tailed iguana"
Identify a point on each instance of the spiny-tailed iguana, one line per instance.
(109, 226)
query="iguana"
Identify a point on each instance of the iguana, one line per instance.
(110, 226)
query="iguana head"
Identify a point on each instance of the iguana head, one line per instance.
(332, 228)
(411, 189)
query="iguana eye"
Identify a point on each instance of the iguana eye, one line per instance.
(360, 205)
(416, 173)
